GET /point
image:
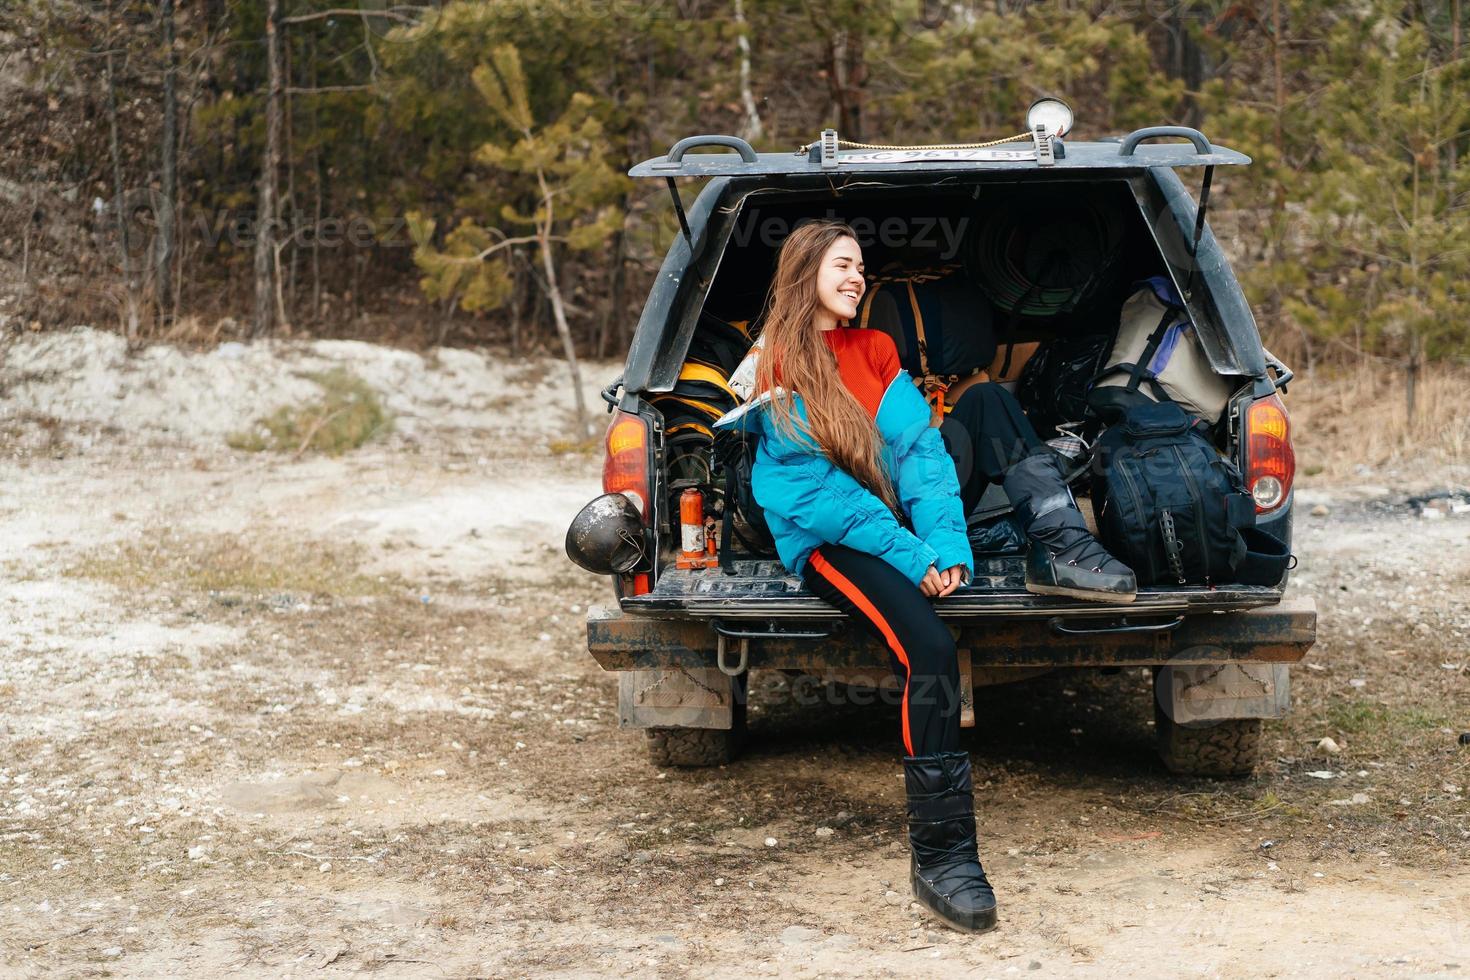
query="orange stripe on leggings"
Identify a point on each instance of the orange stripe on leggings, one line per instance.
(845, 586)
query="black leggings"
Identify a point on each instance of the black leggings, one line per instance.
(920, 648)
(985, 432)
(992, 433)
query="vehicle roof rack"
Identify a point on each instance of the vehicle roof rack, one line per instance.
(825, 157)
(830, 154)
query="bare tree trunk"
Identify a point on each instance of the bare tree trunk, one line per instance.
(265, 235)
(446, 318)
(836, 83)
(1280, 196)
(286, 203)
(282, 320)
(182, 143)
(1411, 379)
(290, 220)
(752, 129)
(119, 206)
(612, 309)
(317, 179)
(1415, 342)
(847, 73)
(553, 293)
(517, 303)
(1454, 150)
(604, 323)
(545, 317)
(857, 79)
(620, 290)
(1276, 221)
(1186, 60)
(316, 245)
(168, 165)
(835, 89)
(358, 261)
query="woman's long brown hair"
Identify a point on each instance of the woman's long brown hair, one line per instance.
(796, 357)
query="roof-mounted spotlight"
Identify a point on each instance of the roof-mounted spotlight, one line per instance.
(1052, 116)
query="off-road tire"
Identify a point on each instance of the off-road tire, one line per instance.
(691, 748)
(1223, 749)
(696, 748)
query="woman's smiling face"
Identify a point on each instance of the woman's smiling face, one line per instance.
(840, 283)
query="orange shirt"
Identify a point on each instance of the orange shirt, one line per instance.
(867, 361)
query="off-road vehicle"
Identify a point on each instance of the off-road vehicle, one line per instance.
(683, 639)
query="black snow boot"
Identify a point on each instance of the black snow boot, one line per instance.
(1065, 559)
(945, 866)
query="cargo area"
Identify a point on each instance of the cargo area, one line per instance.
(949, 227)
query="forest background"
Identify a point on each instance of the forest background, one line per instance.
(454, 172)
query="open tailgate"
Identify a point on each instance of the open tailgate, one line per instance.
(764, 590)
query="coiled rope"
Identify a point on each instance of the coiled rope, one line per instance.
(929, 146)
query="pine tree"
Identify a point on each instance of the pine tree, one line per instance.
(564, 175)
(1386, 203)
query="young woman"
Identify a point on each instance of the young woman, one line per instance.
(863, 502)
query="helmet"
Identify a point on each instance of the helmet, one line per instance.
(606, 536)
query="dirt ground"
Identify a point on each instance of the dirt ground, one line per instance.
(276, 716)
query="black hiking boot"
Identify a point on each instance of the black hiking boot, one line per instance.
(1065, 559)
(945, 866)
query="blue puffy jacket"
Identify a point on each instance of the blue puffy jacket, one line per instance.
(809, 501)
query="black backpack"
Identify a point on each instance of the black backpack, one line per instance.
(1167, 504)
(734, 453)
(1054, 384)
(940, 323)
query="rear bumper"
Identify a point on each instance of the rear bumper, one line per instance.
(1146, 634)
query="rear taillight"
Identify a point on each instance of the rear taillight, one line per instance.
(625, 469)
(1270, 460)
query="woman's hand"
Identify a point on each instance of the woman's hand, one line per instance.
(931, 584)
(951, 579)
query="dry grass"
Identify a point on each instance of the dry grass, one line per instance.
(225, 564)
(580, 447)
(348, 414)
(1346, 417)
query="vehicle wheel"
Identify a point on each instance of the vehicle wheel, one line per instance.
(694, 748)
(1222, 749)
(691, 748)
